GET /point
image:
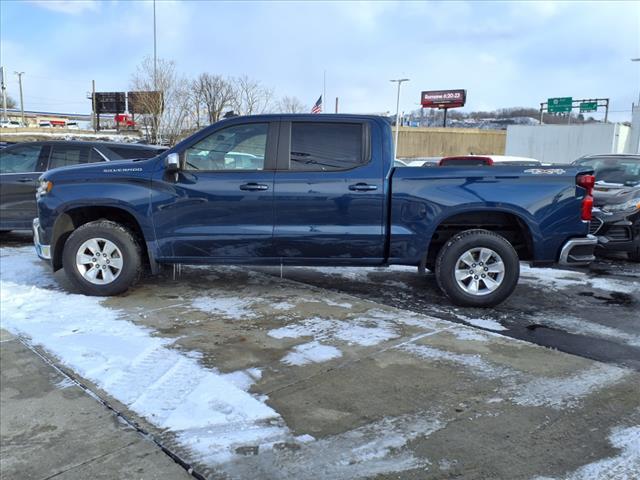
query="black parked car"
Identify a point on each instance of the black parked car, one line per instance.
(21, 164)
(616, 195)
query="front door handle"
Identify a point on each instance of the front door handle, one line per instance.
(26, 180)
(362, 187)
(254, 186)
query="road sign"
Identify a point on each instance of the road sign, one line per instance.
(588, 107)
(110, 102)
(559, 104)
(443, 98)
(151, 102)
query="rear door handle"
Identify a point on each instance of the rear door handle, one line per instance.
(362, 187)
(254, 186)
(26, 180)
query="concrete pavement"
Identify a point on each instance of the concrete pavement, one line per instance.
(50, 428)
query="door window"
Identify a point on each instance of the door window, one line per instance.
(326, 146)
(67, 155)
(241, 147)
(20, 160)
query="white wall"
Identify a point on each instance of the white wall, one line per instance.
(565, 143)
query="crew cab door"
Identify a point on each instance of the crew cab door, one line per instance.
(20, 167)
(220, 204)
(329, 193)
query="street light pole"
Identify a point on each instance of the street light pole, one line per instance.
(19, 74)
(4, 95)
(395, 146)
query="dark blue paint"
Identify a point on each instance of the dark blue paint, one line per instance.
(313, 217)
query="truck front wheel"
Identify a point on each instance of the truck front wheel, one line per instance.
(102, 258)
(477, 268)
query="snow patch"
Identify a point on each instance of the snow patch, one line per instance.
(210, 413)
(485, 323)
(311, 352)
(232, 307)
(567, 278)
(369, 451)
(583, 327)
(623, 466)
(361, 331)
(566, 392)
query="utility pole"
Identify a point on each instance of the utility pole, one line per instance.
(395, 146)
(336, 104)
(155, 58)
(19, 74)
(4, 95)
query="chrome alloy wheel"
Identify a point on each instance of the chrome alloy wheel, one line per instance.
(479, 271)
(99, 261)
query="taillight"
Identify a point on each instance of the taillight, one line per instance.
(587, 207)
(587, 182)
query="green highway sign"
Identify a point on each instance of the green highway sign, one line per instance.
(559, 105)
(588, 107)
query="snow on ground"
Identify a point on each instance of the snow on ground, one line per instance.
(485, 323)
(624, 466)
(364, 452)
(311, 352)
(582, 327)
(567, 278)
(232, 307)
(210, 413)
(566, 392)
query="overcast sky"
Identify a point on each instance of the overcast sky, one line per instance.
(505, 53)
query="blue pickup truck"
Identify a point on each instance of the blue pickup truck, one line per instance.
(310, 190)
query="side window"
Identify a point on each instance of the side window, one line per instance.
(20, 160)
(129, 153)
(96, 156)
(67, 155)
(326, 146)
(241, 147)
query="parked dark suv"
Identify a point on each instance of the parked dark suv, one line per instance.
(21, 164)
(616, 195)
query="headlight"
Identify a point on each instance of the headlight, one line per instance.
(44, 188)
(633, 204)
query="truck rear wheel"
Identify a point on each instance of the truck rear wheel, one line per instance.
(102, 258)
(477, 268)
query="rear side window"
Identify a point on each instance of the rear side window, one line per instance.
(127, 153)
(326, 146)
(68, 155)
(20, 160)
(463, 162)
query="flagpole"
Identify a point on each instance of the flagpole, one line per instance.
(324, 87)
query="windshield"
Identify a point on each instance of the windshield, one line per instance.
(615, 170)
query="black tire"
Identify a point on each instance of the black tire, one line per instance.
(118, 235)
(463, 242)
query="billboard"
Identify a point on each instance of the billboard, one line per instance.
(110, 102)
(443, 98)
(150, 102)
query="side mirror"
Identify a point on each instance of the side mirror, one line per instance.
(172, 163)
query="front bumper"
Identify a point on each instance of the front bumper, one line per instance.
(578, 251)
(43, 251)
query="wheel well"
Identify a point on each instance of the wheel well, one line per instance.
(72, 219)
(510, 226)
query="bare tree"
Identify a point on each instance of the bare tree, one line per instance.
(11, 103)
(291, 105)
(215, 94)
(167, 114)
(250, 96)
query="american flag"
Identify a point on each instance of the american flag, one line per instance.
(317, 108)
